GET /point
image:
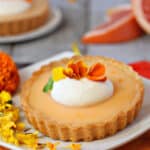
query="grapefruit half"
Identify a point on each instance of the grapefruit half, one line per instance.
(120, 27)
(141, 10)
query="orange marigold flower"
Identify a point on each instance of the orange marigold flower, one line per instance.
(9, 76)
(97, 72)
(76, 70)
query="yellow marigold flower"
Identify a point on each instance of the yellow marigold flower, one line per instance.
(4, 97)
(20, 126)
(30, 140)
(8, 136)
(52, 146)
(13, 113)
(75, 146)
(57, 73)
(6, 122)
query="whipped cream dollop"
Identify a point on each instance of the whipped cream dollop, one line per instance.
(8, 7)
(82, 92)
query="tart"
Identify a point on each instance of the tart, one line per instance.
(78, 121)
(20, 16)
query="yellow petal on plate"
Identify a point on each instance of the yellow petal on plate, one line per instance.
(75, 49)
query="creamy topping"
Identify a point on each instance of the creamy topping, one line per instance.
(81, 92)
(8, 7)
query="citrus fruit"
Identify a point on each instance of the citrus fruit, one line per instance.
(120, 27)
(141, 10)
(142, 67)
(118, 11)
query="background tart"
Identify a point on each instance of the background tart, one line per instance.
(25, 21)
(83, 123)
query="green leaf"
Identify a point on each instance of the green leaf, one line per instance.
(48, 86)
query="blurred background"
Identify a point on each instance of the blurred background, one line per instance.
(78, 18)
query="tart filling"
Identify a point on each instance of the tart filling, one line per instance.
(9, 7)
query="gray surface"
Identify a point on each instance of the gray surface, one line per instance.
(79, 18)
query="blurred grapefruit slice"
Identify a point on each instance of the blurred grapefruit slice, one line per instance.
(118, 11)
(120, 27)
(141, 9)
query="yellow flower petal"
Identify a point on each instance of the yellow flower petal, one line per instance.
(30, 140)
(20, 126)
(75, 146)
(5, 96)
(75, 49)
(57, 73)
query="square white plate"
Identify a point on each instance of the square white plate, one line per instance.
(140, 125)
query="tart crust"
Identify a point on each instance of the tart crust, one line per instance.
(88, 132)
(26, 21)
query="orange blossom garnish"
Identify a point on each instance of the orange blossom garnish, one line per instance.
(76, 70)
(79, 70)
(97, 72)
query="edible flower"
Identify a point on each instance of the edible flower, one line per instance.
(97, 72)
(74, 146)
(76, 70)
(4, 97)
(52, 146)
(75, 49)
(28, 139)
(9, 76)
(57, 73)
(11, 129)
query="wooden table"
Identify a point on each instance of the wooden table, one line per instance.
(79, 18)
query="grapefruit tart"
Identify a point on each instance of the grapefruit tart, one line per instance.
(19, 16)
(83, 98)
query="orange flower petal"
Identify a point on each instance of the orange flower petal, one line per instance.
(94, 78)
(75, 68)
(82, 68)
(97, 70)
(68, 72)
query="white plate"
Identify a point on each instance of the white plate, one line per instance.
(139, 126)
(43, 30)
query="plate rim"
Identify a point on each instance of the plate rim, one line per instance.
(49, 27)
